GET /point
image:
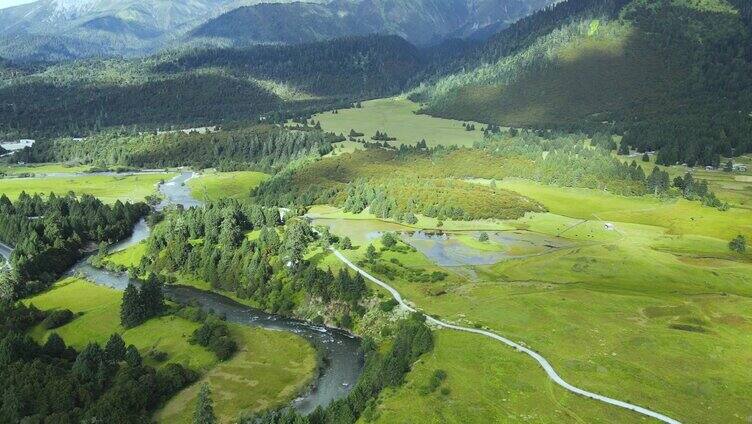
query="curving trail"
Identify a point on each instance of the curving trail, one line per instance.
(547, 367)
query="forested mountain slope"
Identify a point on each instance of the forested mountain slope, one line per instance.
(203, 87)
(672, 75)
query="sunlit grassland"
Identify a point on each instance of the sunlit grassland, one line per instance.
(485, 382)
(655, 311)
(677, 216)
(219, 185)
(396, 117)
(107, 188)
(270, 370)
(100, 317)
(128, 257)
(621, 319)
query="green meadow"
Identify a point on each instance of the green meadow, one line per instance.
(107, 188)
(396, 116)
(129, 257)
(219, 185)
(99, 316)
(655, 311)
(270, 369)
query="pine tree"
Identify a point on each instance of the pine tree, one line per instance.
(131, 310)
(133, 357)
(204, 412)
(114, 350)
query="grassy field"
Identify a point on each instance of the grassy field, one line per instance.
(486, 383)
(396, 116)
(218, 185)
(269, 371)
(100, 317)
(676, 216)
(107, 188)
(128, 257)
(656, 312)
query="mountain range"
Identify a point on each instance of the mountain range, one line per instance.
(52, 30)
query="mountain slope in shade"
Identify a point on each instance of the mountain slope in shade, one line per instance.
(418, 21)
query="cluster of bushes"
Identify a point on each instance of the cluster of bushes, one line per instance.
(215, 335)
(270, 269)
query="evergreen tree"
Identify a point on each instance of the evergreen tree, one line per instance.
(204, 412)
(114, 350)
(132, 312)
(133, 357)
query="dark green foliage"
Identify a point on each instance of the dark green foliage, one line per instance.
(263, 147)
(271, 269)
(738, 244)
(57, 318)
(680, 84)
(54, 383)
(215, 335)
(389, 240)
(141, 304)
(204, 412)
(49, 232)
(133, 357)
(388, 305)
(345, 243)
(362, 67)
(114, 350)
(483, 237)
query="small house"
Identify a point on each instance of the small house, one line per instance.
(609, 226)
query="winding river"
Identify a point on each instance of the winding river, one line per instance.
(340, 350)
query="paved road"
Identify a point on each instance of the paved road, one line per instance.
(540, 359)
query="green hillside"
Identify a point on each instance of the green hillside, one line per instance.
(670, 75)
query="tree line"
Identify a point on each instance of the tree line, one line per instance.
(264, 147)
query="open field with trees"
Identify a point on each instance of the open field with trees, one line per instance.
(396, 116)
(98, 315)
(268, 371)
(653, 293)
(109, 189)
